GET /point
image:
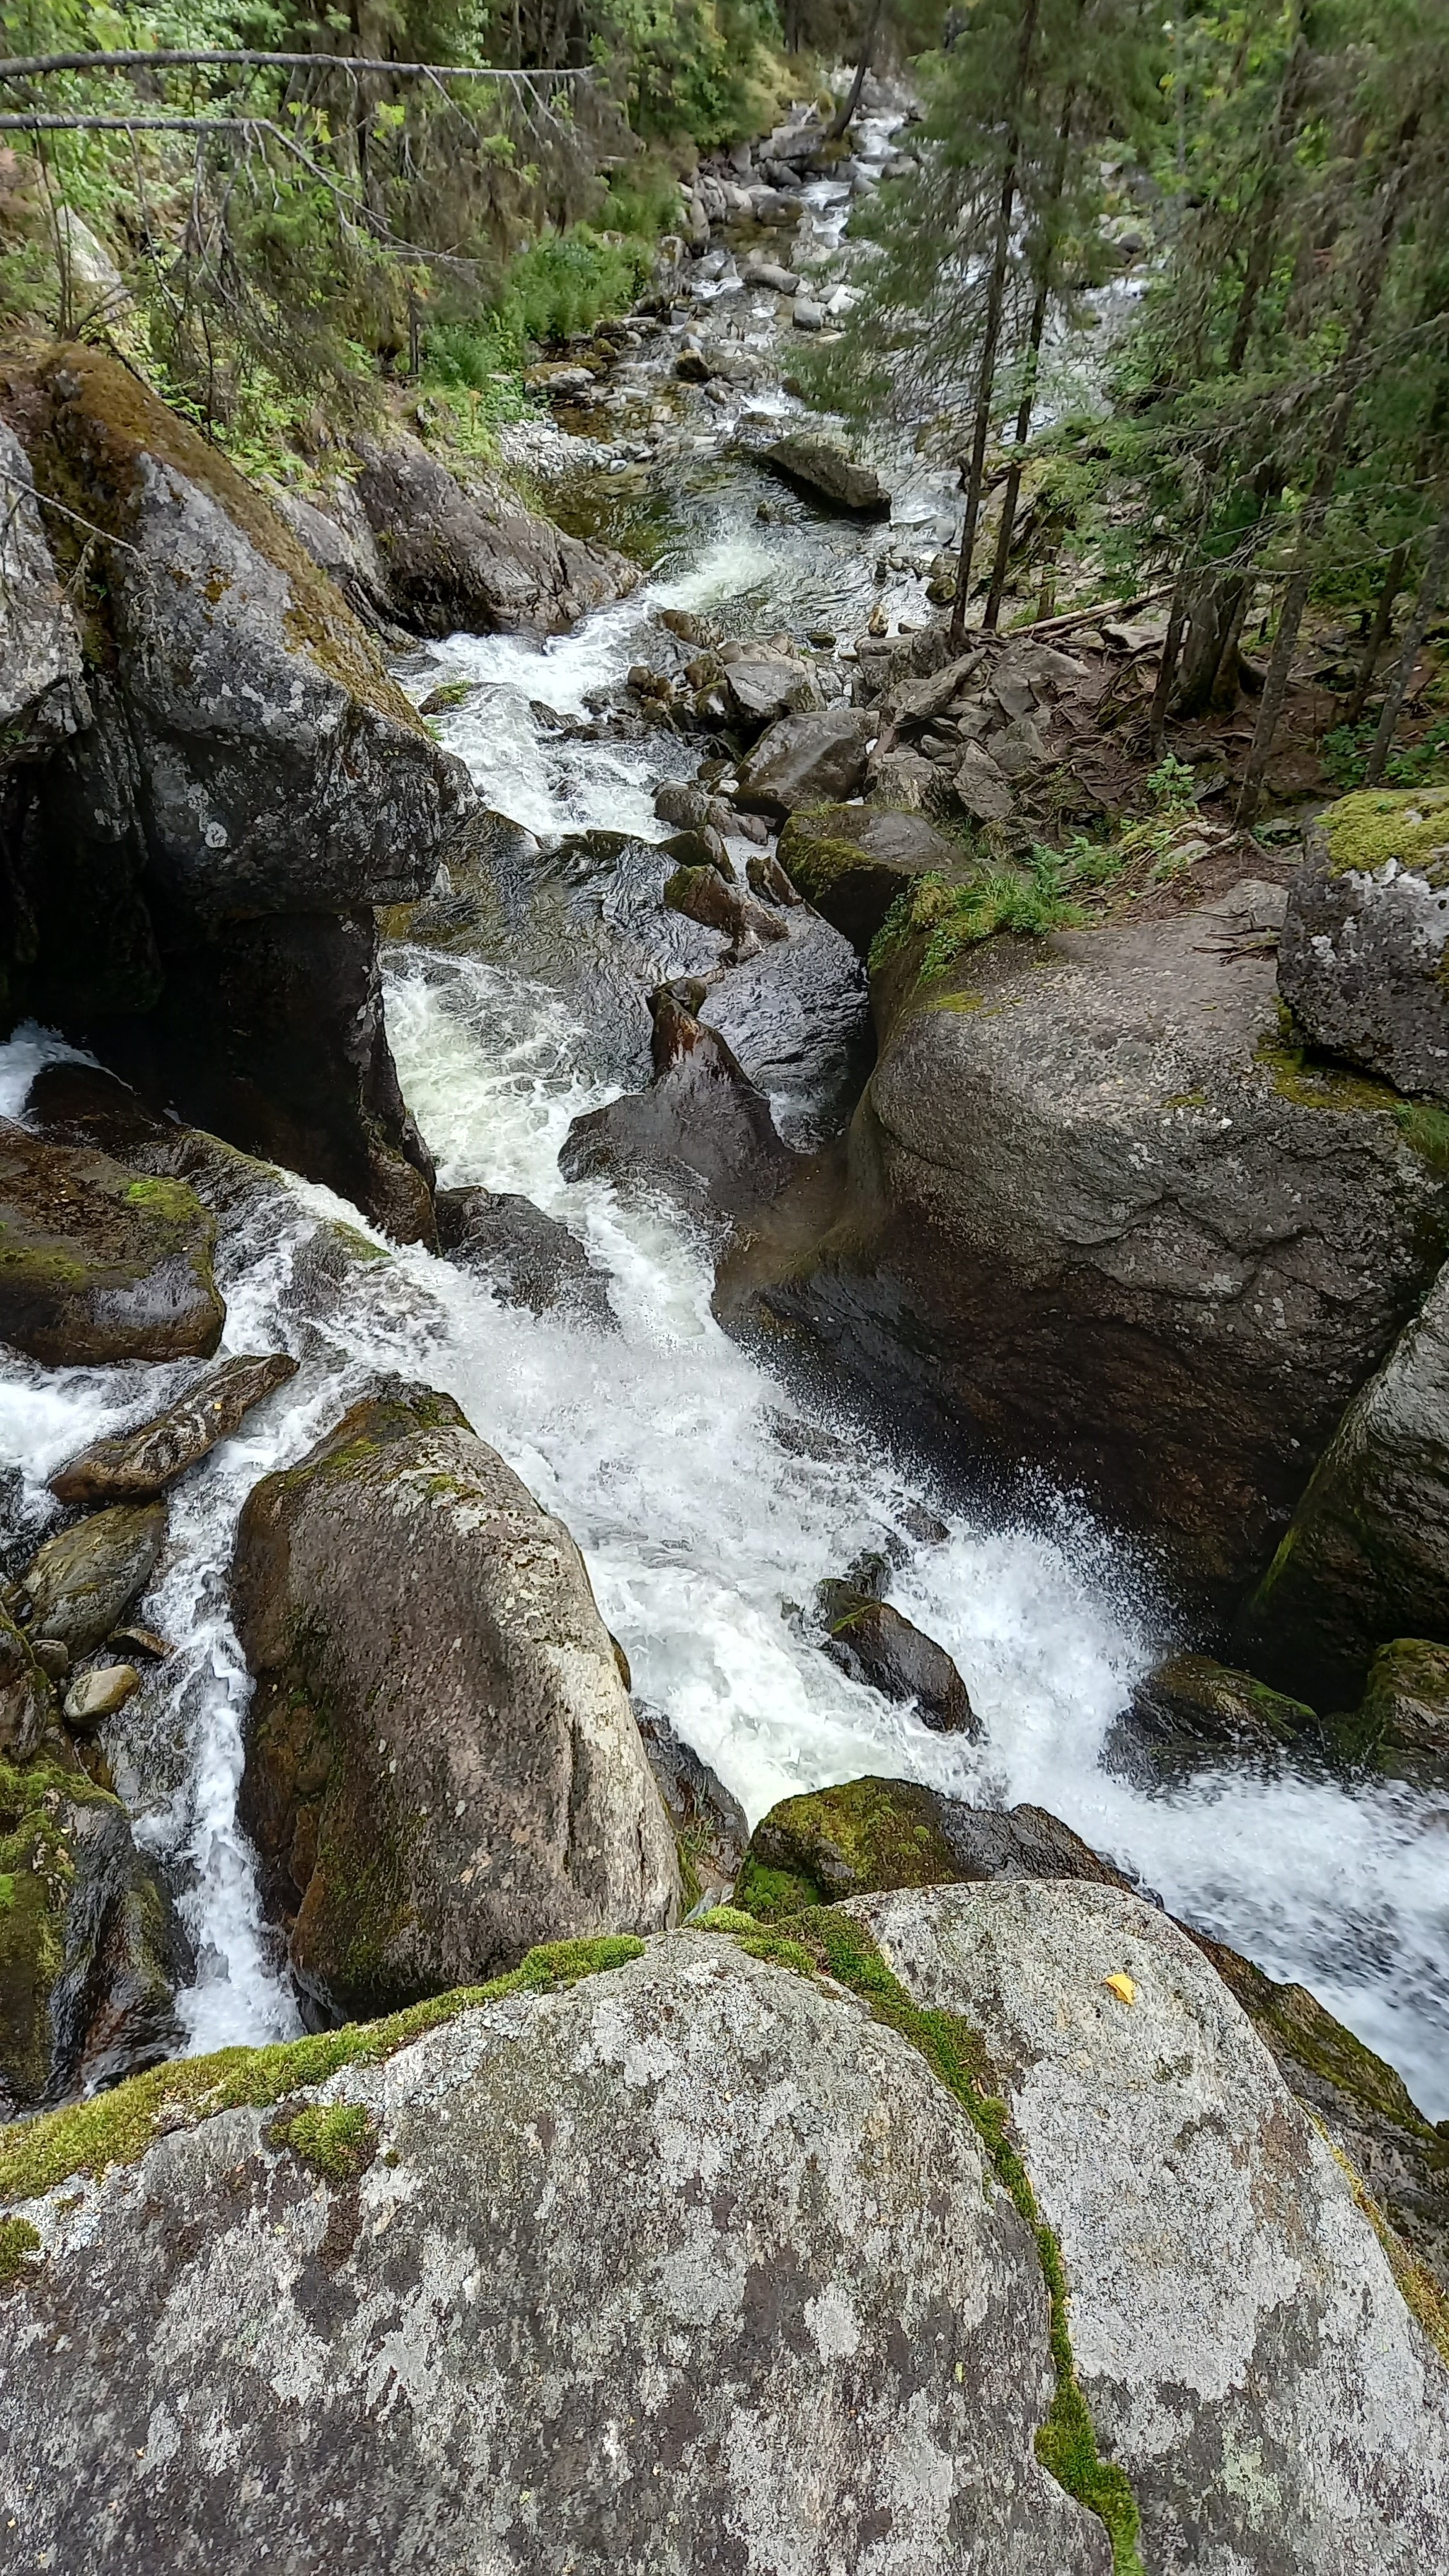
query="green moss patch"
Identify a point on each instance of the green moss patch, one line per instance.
(19, 2243)
(117, 2128)
(337, 2139)
(831, 1843)
(1364, 832)
(827, 1943)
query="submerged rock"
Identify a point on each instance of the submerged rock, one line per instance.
(82, 1581)
(694, 2266)
(1363, 954)
(96, 1264)
(876, 1644)
(829, 472)
(529, 1258)
(136, 1465)
(90, 1950)
(1366, 1558)
(441, 1763)
(1267, 2323)
(1191, 1714)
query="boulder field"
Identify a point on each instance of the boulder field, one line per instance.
(819, 2246)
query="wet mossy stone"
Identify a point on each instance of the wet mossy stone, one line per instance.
(97, 1264)
(1401, 1727)
(852, 862)
(27, 1700)
(878, 1645)
(871, 1835)
(1364, 959)
(82, 1581)
(1192, 1713)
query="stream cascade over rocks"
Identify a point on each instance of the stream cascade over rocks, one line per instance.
(619, 1814)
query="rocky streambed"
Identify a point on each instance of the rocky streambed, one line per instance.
(654, 1383)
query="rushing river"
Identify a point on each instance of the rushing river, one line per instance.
(708, 1496)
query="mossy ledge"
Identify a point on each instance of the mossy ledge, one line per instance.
(825, 1942)
(117, 2128)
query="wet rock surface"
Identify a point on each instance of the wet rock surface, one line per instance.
(96, 1264)
(531, 1259)
(710, 1828)
(702, 1132)
(82, 1581)
(137, 1465)
(768, 2222)
(826, 468)
(1267, 2323)
(468, 554)
(1192, 1713)
(868, 1836)
(442, 1767)
(876, 1644)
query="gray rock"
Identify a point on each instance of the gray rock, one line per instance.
(529, 1258)
(97, 1694)
(1192, 1714)
(27, 1701)
(1362, 961)
(828, 472)
(1366, 1558)
(82, 1581)
(467, 554)
(42, 690)
(704, 894)
(441, 1763)
(98, 1265)
(139, 1464)
(1238, 2330)
(768, 272)
(852, 861)
(1018, 750)
(710, 1828)
(695, 2266)
(806, 760)
(808, 315)
(983, 789)
(701, 1132)
(1096, 1217)
(760, 689)
(341, 544)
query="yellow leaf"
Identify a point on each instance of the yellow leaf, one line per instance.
(1122, 1986)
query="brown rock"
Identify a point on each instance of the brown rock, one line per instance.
(139, 1464)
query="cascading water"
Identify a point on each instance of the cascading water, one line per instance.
(708, 1497)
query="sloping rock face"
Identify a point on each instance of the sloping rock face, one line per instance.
(98, 1265)
(1099, 1217)
(469, 556)
(42, 689)
(1366, 1558)
(695, 2267)
(1362, 965)
(852, 862)
(442, 1766)
(251, 773)
(1237, 2328)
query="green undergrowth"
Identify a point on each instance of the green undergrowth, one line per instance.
(953, 918)
(117, 2128)
(19, 2241)
(823, 1941)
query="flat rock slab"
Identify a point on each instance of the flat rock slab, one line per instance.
(694, 2268)
(1237, 2329)
(137, 1465)
(96, 1264)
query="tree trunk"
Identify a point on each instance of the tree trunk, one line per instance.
(1012, 494)
(1315, 509)
(995, 300)
(1430, 587)
(843, 121)
(1393, 583)
(1177, 617)
(1282, 127)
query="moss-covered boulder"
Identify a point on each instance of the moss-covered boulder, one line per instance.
(27, 1700)
(442, 1767)
(1401, 1726)
(1192, 1714)
(852, 862)
(82, 1581)
(1364, 964)
(874, 1834)
(90, 1951)
(1366, 1557)
(96, 1264)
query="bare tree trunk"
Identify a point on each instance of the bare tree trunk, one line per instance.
(1430, 587)
(992, 613)
(991, 334)
(1177, 617)
(844, 119)
(1315, 509)
(1393, 583)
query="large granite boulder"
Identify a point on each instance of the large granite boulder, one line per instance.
(725, 2257)
(1366, 1558)
(1238, 2326)
(694, 2267)
(467, 554)
(96, 1264)
(806, 760)
(90, 1950)
(252, 781)
(1362, 964)
(701, 1133)
(441, 1765)
(825, 468)
(853, 862)
(1099, 1217)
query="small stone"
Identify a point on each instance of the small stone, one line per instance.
(97, 1695)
